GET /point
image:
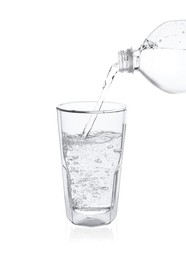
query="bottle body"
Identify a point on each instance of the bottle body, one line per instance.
(165, 68)
(161, 58)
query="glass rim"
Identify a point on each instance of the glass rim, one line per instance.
(121, 108)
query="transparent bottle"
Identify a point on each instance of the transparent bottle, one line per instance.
(161, 58)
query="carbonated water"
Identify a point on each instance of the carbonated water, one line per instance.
(92, 164)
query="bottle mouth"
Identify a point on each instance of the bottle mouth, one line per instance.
(121, 60)
(126, 60)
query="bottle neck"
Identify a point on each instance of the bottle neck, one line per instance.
(129, 60)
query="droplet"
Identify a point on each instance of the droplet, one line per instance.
(183, 32)
(109, 146)
(160, 40)
(74, 191)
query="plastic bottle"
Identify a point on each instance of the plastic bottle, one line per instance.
(161, 58)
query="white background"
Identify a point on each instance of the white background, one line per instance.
(57, 51)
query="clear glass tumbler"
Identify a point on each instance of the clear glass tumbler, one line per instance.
(91, 166)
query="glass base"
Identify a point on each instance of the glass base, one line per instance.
(92, 217)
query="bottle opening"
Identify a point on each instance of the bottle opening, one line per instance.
(126, 60)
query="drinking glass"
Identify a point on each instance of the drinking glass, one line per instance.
(91, 165)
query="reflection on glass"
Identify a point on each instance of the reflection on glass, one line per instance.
(80, 234)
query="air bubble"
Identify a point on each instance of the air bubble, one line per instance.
(76, 163)
(98, 161)
(117, 150)
(75, 157)
(104, 188)
(73, 169)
